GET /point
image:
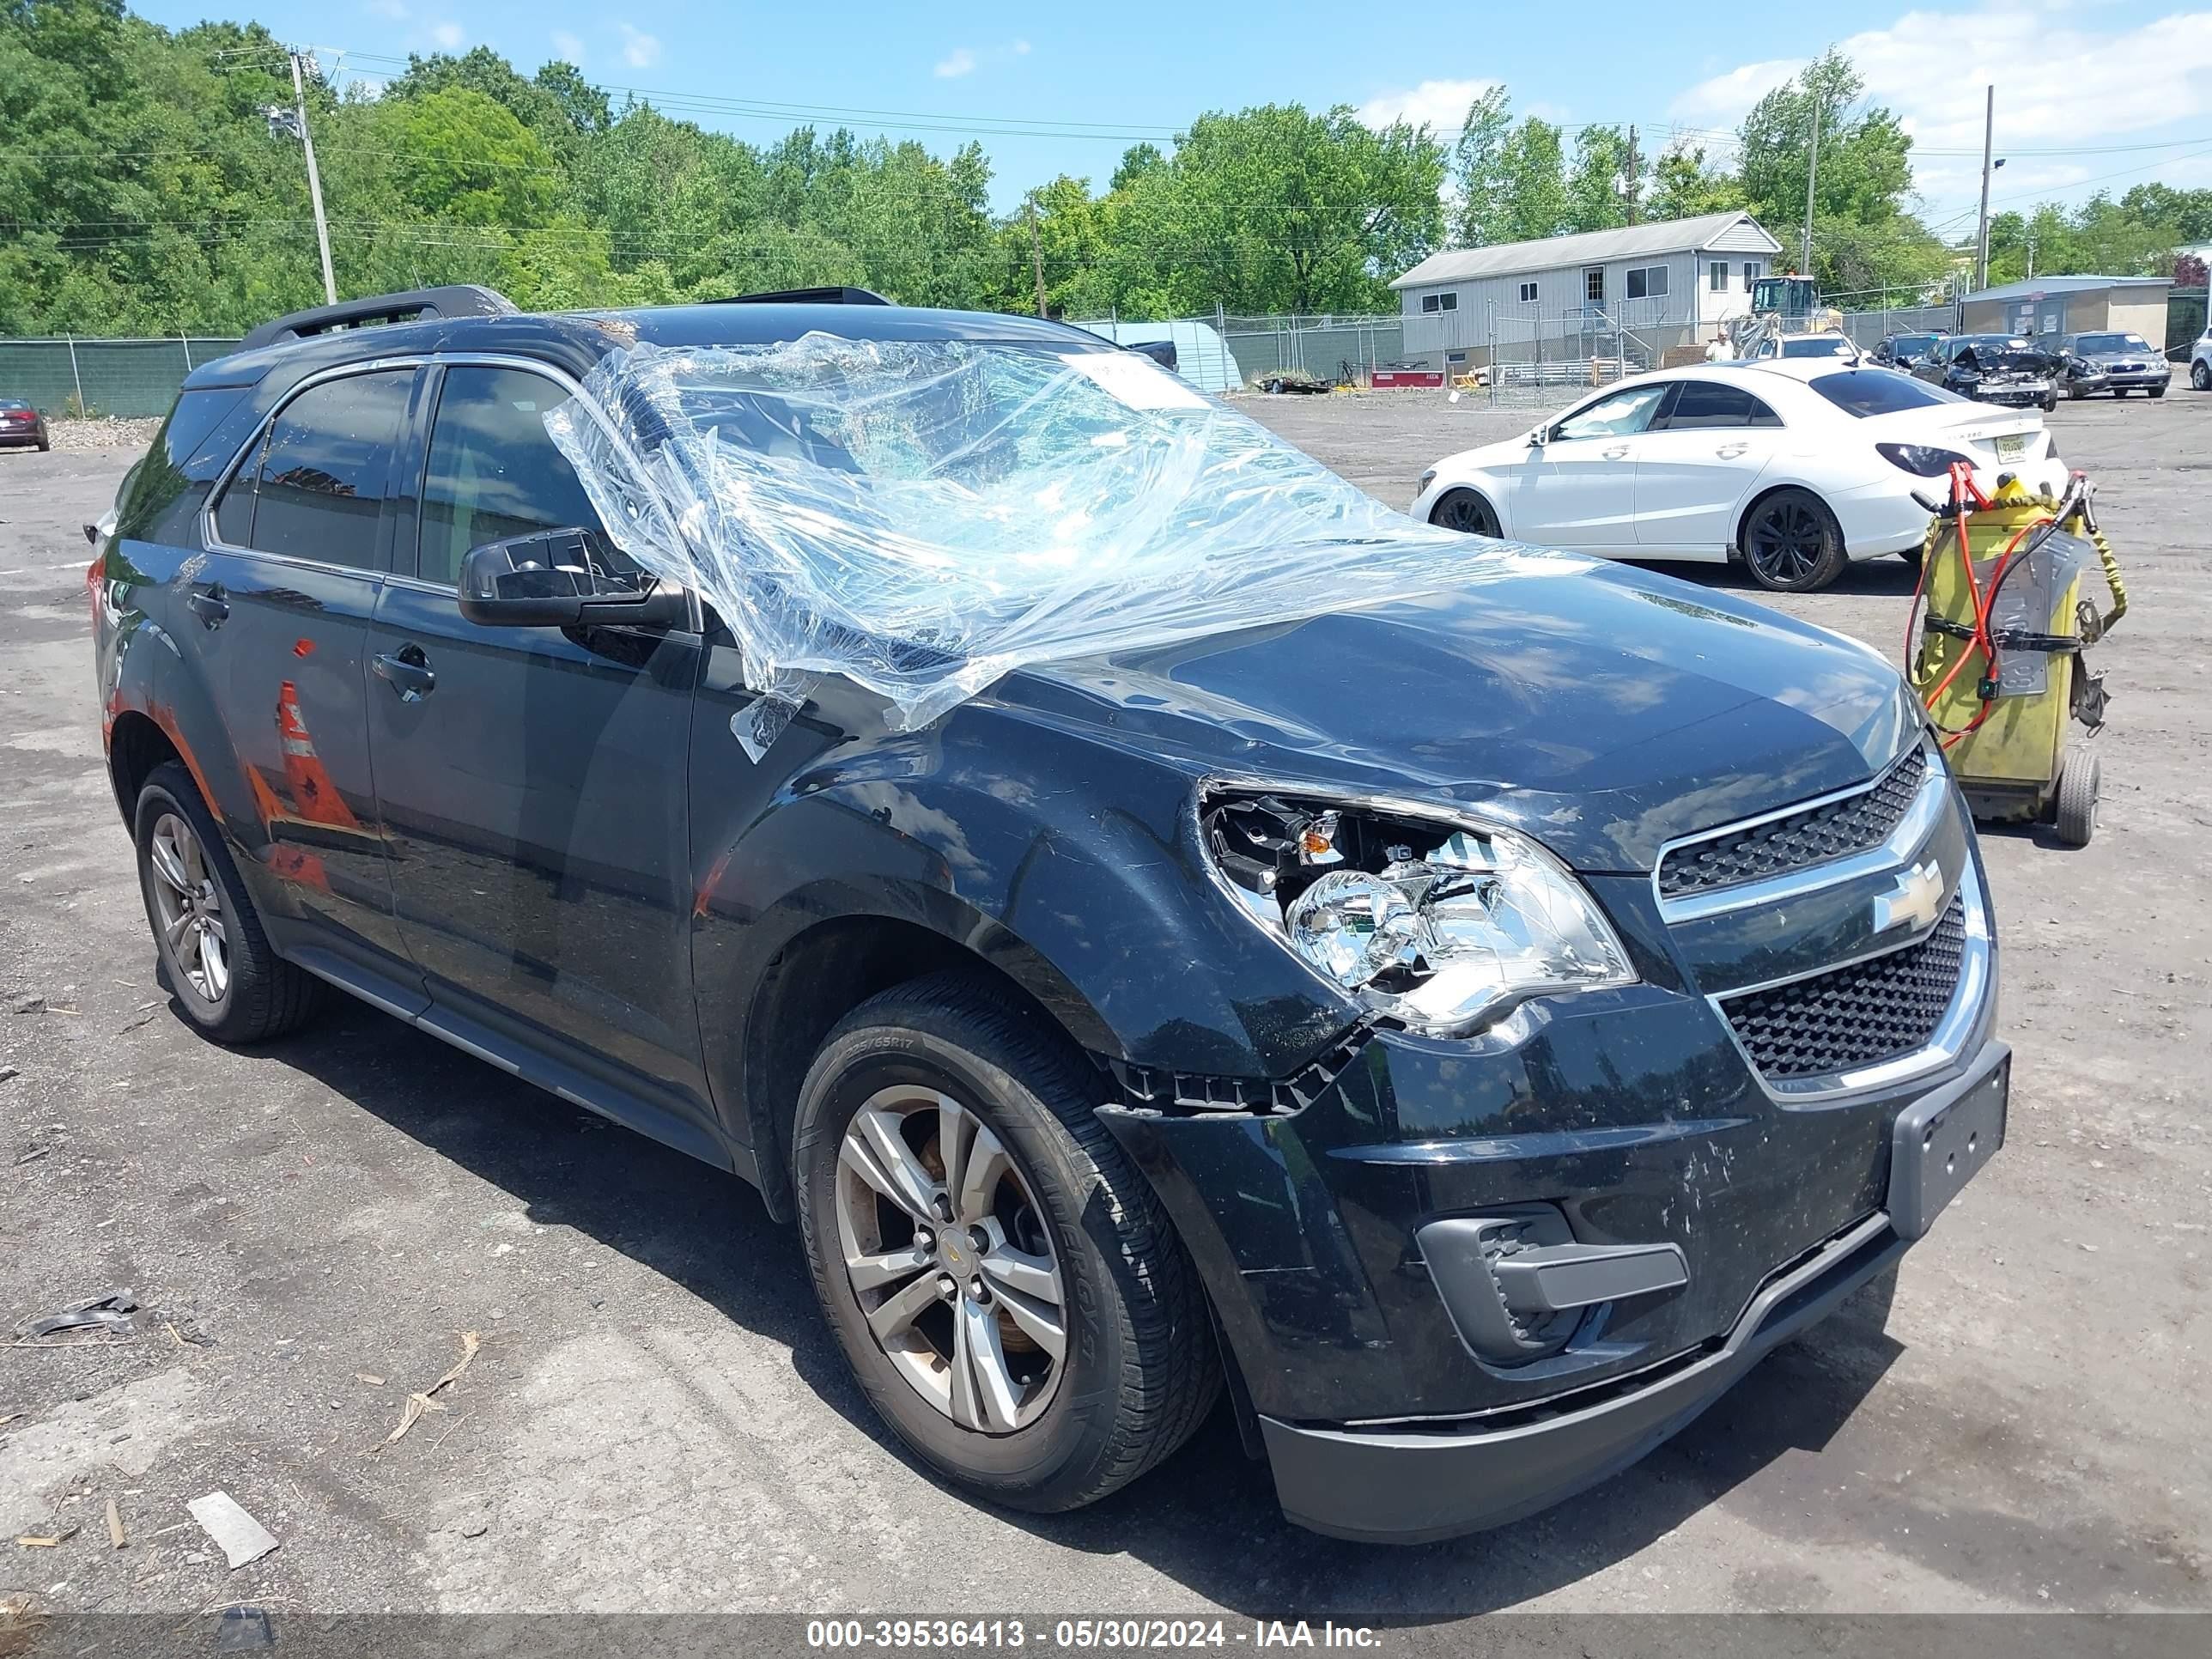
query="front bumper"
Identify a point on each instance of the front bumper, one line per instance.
(2019, 394)
(1630, 1122)
(2134, 380)
(1394, 1485)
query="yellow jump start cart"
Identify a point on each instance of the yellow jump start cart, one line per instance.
(1997, 656)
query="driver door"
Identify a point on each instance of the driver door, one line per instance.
(1578, 488)
(533, 779)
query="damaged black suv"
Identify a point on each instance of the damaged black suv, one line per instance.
(1470, 1020)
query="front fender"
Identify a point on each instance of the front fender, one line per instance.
(1074, 867)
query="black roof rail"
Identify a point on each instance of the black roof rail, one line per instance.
(807, 296)
(459, 299)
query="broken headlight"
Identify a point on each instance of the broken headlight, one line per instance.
(1439, 925)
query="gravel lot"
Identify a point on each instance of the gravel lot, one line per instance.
(657, 1422)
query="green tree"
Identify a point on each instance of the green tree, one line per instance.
(1600, 190)
(1862, 181)
(1684, 185)
(1478, 167)
(1532, 194)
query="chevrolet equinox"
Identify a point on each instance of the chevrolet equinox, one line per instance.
(1469, 1030)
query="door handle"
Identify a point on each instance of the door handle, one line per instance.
(1616, 451)
(1729, 451)
(209, 604)
(407, 670)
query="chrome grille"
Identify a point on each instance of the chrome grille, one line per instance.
(1870, 1011)
(1815, 835)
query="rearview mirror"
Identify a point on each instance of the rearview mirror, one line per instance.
(552, 580)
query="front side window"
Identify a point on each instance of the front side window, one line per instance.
(495, 471)
(320, 485)
(1615, 416)
(1708, 403)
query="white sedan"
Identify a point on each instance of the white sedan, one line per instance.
(1796, 467)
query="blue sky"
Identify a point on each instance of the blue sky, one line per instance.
(2091, 93)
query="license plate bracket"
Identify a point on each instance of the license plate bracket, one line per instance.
(2011, 449)
(1941, 1142)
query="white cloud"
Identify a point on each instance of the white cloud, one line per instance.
(570, 48)
(393, 11)
(1725, 99)
(958, 62)
(640, 50)
(448, 36)
(1021, 48)
(2063, 86)
(1439, 106)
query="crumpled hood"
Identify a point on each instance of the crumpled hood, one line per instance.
(1603, 710)
(2015, 362)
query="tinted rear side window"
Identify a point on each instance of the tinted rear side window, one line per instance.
(495, 471)
(1703, 403)
(1864, 391)
(321, 482)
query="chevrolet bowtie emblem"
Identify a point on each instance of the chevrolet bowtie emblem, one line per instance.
(1916, 900)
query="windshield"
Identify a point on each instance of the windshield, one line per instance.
(922, 517)
(1864, 391)
(1820, 345)
(2104, 342)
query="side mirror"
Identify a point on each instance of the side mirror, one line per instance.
(1540, 437)
(552, 580)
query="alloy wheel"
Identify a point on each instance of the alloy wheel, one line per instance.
(946, 1251)
(1468, 513)
(1784, 544)
(188, 907)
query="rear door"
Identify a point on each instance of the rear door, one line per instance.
(1577, 490)
(279, 605)
(1696, 464)
(533, 779)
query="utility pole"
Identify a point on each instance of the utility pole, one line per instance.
(1629, 181)
(1037, 251)
(1812, 172)
(295, 121)
(1981, 234)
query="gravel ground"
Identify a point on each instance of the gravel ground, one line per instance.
(656, 1420)
(108, 432)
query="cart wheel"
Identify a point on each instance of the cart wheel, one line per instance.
(2078, 782)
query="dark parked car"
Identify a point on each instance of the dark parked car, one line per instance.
(1903, 351)
(21, 425)
(1993, 369)
(1473, 1030)
(2111, 362)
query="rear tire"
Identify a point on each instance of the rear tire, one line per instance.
(2080, 782)
(2200, 375)
(1137, 1369)
(2049, 402)
(1791, 542)
(1466, 511)
(216, 959)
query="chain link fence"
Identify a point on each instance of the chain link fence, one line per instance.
(71, 376)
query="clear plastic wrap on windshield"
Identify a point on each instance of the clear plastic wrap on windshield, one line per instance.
(923, 516)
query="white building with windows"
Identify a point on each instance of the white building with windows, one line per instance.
(1662, 285)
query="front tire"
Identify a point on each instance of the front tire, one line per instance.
(2154, 391)
(2200, 375)
(215, 956)
(944, 1138)
(1791, 542)
(1466, 511)
(2049, 402)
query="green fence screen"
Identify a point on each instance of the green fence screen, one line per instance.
(103, 377)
